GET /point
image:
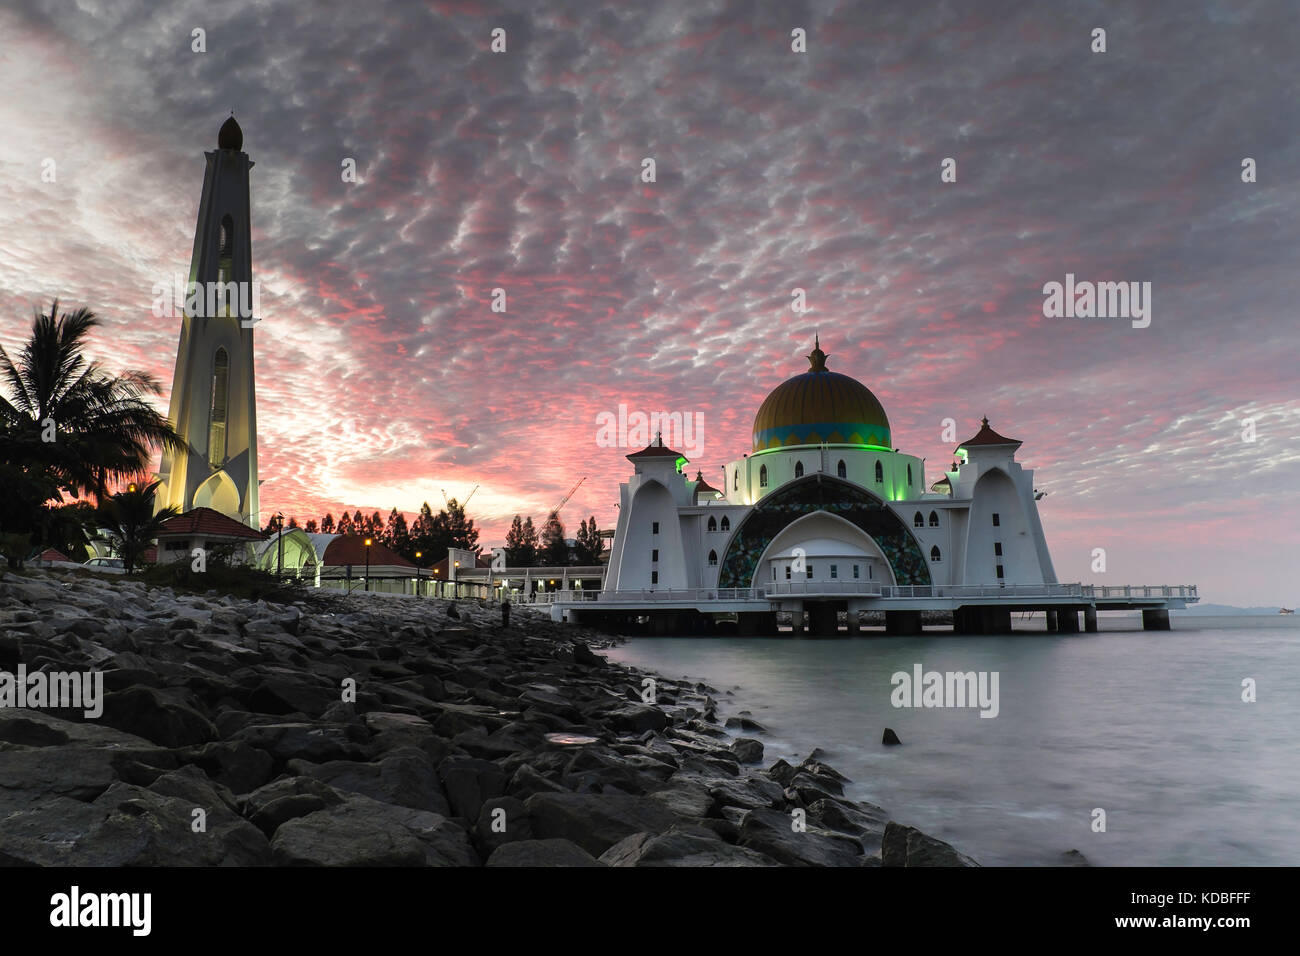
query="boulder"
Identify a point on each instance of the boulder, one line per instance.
(682, 845)
(541, 853)
(596, 821)
(404, 777)
(908, 846)
(164, 715)
(748, 750)
(771, 833)
(468, 782)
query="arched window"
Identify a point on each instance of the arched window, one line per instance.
(798, 469)
(735, 480)
(713, 559)
(762, 476)
(713, 523)
(880, 473)
(918, 520)
(841, 470)
(934, 553)
(934, 519)
(217, 410)
(909, 476)
(726, 523)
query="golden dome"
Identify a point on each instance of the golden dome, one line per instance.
(820, 406)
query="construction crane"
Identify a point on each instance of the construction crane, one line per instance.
(565, 500)
(447, 501)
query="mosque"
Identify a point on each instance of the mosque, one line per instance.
(825, 516)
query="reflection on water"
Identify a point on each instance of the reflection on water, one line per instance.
(1149, 727)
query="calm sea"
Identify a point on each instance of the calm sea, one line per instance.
(1148, 726)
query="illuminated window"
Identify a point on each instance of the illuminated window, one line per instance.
(762, 477)
(934, 553)
(217, 410)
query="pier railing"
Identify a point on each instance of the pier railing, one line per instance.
(778, 589)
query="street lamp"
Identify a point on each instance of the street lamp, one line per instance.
(368, 543)
(418, 556)
(437, 587)
(280, 546)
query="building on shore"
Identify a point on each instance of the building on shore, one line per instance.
(825, 516)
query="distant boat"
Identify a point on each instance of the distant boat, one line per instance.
(1286, 610)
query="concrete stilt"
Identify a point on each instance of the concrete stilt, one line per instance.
(1053, 624)
(822, 619)
(1155, 620)
(995, 620)
(853, 622)
(903, 623)
(1090, 619)
(796, 622)
(1068, 619)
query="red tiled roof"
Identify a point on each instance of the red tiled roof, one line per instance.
(987, 436)
(53, 554)
(702, 486)
(208, 522)
(441, 566)
(351, 549)
(656, 449)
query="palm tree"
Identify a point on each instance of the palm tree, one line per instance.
(132, 526)
(68, 421)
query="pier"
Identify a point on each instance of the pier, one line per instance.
(814, 607)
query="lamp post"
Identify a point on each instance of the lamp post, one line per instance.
(279, 541)
(437, 586)
(418, 556)
(368, 543)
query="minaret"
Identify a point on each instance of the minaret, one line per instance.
(213, 401)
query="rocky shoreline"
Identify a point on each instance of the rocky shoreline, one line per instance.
(372, 731)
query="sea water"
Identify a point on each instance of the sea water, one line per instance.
(1148, 727)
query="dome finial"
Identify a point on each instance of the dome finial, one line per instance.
(985, 421)
(230, 136)
(817, 359)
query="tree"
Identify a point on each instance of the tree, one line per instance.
(588, 544)
(293, 521)
(461, 532)
(555, 551)
(327, 524)
(376, 522)
(345, 525)
(421, 533)
(131, 523)
(518, 552)
(66, 425)
(396, 535)
(359, 523)
(310, 527)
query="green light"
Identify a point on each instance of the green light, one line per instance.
(681, 460)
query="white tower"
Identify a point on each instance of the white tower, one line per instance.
(213, 401)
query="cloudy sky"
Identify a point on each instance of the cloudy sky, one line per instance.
(384, 375)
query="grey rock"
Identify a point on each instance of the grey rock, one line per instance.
(908, 846)
(541, 853)
(596, 821)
